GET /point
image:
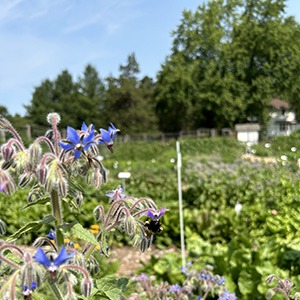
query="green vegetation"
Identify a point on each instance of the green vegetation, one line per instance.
(244, 248)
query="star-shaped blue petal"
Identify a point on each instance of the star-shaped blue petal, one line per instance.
(62, 258)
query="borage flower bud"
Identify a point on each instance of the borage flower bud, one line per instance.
(7, 164)
(94, 177)
(145, 243)
(24, 179)
(22, 161)
(7, 152)
(79, 198)
(2, 227)
(129, 225)
(35, 151)
(55, 178)
(86, 287)
(41, 173)
(99, 214)
(62, 187)
(7, 184)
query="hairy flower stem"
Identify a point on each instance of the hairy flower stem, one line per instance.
(56, 211)
(55, 290)
(90, 251)
(92, 248)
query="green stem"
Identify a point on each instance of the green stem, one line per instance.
(56, 210)
(55, 290)
(89, 251)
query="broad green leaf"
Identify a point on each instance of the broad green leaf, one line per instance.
(111, 287)
(82, 233)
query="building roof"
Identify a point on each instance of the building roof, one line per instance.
(279, 104)
(247, 127)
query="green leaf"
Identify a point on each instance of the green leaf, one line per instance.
(82, 233)
(31, 226)
(75, 185)
(111, 287)
(42, 200)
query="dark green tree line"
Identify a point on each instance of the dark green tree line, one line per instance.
(126, 101)
(229, 58)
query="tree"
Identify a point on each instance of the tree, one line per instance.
(232, 56)
(4, 111)
(62, 96)
(41, 103)
(129, 100)
(91, 96)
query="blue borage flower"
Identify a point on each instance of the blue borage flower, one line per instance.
(76, 142)
(185, 270)
(51, 234)
(143, 277)
(116, 194)
(175, 288)
(52, 264)
(86, 128)
(216, 279)
(27, 291)
(156, 216)
(228, 296)
(107, 136)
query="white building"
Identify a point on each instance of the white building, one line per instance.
(248, 132)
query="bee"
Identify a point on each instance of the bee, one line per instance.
(154, 226)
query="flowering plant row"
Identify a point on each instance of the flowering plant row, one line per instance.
(52, 267)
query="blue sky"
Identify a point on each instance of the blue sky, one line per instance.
(40, 38)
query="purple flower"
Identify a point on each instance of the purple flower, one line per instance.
(185, 270)
(51, 234)
(143, 277)
(52, 264)
(156, 216)
(175, 288)
(28, 291)
(116, 194)
(2, 186)
(205, 276)
(107, 136)
(86, 128)
(76, 142)
(227, 296)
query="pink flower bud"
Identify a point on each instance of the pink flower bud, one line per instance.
(86, 287)
(41, 173)
(7, 152)
(63, 187)
(35, 151)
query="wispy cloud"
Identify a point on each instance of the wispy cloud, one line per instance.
(108, 15)
(8, 11)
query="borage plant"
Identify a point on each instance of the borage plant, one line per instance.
(198, 285)
(51, 268)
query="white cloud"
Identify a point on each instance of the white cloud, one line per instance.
(8, 11)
